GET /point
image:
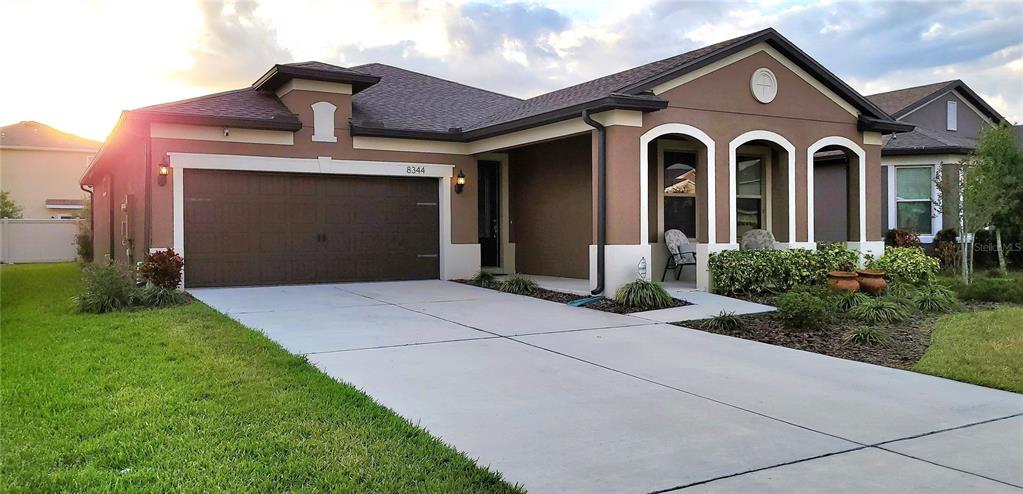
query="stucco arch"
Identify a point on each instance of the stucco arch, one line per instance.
(644, 170)
(862, 173)
(790, 150)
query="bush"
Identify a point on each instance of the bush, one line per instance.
(645, 295)
(906, 264)
(901, 238)
(935, 298)
(849, 300)
(157, 296)
(106, 288)
(804, 310)
(162, 268)
(83, 246)
(868, 335)
(991, 290)
(759, 271)
(519, 285)
(880, 310)
(725, 322)
(483, 278)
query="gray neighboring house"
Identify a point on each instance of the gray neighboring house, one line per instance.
(949, 116)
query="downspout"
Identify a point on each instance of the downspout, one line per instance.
(92, 208)
(601, 198)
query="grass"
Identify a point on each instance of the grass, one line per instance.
(984, 347)
(185, 399)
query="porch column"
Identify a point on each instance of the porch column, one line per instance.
(627, 186)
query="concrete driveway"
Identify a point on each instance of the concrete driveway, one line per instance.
(564, 399)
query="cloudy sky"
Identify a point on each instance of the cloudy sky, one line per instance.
(75, 65)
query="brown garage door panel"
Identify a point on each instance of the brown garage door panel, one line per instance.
(249, 228)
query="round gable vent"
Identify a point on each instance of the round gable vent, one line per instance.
(764, 85)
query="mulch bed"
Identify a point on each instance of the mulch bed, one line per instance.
(606, 304)
(909, 339)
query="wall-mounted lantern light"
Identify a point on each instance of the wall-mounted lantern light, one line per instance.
(163, 170)
(459, 182)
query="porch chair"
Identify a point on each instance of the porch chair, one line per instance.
(757, 240)
(679, 255)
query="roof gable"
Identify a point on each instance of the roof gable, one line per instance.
(901, 102)
(37, 135)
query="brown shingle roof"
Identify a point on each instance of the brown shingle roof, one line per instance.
(34, 134)
(245, 104)
(893, 102)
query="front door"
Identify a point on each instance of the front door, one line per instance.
(489, 213)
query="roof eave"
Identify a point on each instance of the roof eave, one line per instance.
(290, 124)
(926, 150)
(882, 125)
(955, 85)
(280, 74)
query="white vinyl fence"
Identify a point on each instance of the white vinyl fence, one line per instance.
(37, 240)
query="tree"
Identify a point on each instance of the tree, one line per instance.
(8, 209)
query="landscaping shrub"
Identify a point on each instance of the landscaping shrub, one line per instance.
(725, 322)
(483, 278)
(157, 296)
(991, 290)
(83, 246)
(880, 310)
(519, 285)
(162, 268)
(759, 271)
(901, 238)
(868, 335)
(804, 310)
(645, 295)
(947, 249)
(935, 298)
(106, 288)
(849, 300)
(907, 264)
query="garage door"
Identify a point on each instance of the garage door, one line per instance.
(245, 228)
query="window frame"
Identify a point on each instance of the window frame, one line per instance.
(951, 115)
(669, 145)
(894, 200)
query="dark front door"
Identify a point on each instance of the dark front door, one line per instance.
(489, 213)
(246, 228)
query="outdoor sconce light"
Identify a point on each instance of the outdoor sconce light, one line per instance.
(164, 170)
(459, 182)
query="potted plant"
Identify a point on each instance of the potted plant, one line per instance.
(871, 281)
(843, 281)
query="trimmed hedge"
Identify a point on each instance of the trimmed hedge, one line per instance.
(907, 264)
(760, 271)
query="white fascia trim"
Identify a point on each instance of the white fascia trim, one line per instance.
(760, 47)
(861, 155)
(318, 86)
(961, 98)
(43, 148)
(221, 134)
(644, 167)
(62, 206)
(452, 266)
(628, 118)
(323, 164)
(790, 150)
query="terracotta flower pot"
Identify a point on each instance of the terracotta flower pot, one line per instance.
(872, 281)
(843, 281)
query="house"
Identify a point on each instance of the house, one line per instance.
(322, 173)
(40, 167)
(949, 117)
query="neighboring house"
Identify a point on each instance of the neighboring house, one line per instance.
(948, 117)
(40, 167)
(321, 173)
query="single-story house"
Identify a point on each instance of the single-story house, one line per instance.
(321, 173)
(949, 117)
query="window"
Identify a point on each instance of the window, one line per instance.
(680, 192)
(952, 117)
(749, 202)
(913, 186)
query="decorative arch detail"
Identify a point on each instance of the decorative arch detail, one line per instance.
(862, 180)
(644, 178)
(323, 122)
(790, 150)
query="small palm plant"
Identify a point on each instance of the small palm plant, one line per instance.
(868, 335)
(850, 300)
(518, 285)
(725, 322)
(880, 310)
(483, 278)
(644, 295)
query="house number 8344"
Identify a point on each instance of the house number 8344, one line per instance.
(415, 170)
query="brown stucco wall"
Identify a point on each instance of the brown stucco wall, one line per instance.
(550, 207)
(720, 104)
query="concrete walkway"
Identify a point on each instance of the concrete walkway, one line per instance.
(565, 399)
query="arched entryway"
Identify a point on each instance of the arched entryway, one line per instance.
(834, 173)
(762, 186)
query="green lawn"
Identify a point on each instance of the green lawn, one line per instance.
(186, 399)
(984, 348)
